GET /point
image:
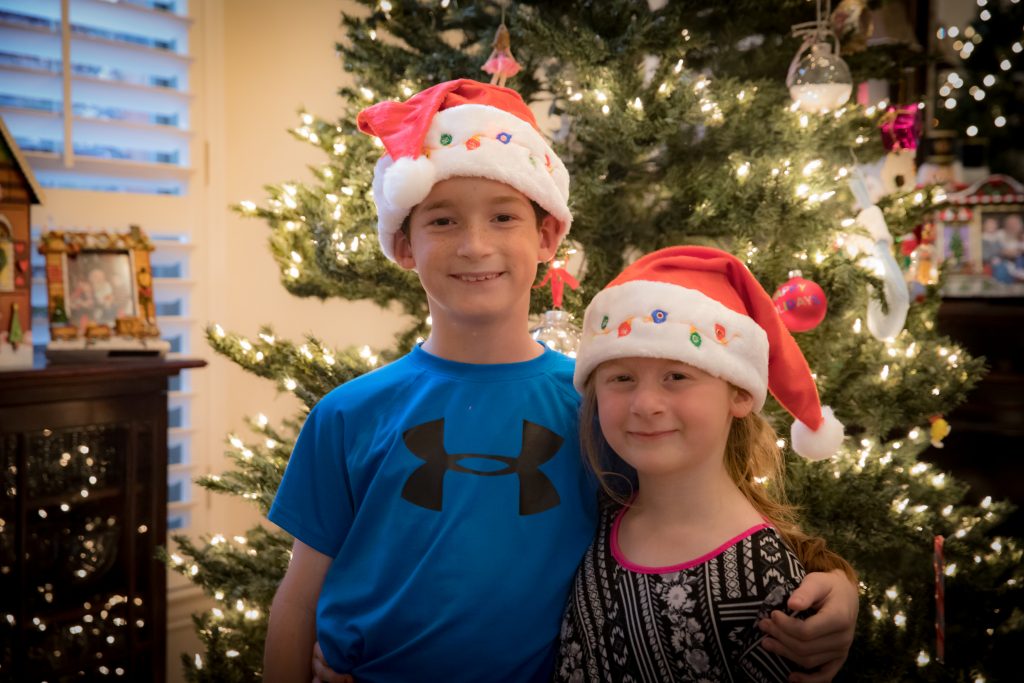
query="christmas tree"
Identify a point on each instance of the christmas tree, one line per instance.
(677, 127)
(979, 84)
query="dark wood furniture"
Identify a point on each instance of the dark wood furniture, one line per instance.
(83, 470)
(986, 446)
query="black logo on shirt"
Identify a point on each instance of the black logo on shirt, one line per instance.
(425, 486)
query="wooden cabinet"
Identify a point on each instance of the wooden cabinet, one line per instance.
(83, 470)
(985, 447)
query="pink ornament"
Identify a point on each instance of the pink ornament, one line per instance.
(801, 304)
(900, 127)
(501, 64)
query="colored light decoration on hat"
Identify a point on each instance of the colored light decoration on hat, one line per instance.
(818, 79)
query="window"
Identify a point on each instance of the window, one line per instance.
(117, 120)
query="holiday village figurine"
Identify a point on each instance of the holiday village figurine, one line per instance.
(924, 267)
(18, 192)
(501, 64)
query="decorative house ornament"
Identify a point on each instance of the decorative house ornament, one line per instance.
(18, 192)
(979, 238)
(100, 296)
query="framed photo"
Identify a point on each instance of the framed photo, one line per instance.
(981, 239)
(99, 285)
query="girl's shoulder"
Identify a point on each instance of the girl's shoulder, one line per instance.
(764, 551)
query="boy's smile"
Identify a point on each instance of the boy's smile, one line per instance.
(477, 277)
(475, 244)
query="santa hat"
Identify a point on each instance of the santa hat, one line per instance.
(460, 128)
(702, 306)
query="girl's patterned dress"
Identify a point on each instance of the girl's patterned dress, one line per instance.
(691, 622)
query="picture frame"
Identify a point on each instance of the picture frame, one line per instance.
(980, 239)
(100, 294)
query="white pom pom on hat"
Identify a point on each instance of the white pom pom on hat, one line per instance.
(819, 444)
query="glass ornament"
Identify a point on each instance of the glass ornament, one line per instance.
(820, 81)
(558, 332)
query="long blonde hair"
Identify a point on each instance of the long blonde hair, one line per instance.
(751, 454)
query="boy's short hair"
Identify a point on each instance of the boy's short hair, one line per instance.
(460, 129)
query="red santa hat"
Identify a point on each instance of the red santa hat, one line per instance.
(460, 128)
(702, 306)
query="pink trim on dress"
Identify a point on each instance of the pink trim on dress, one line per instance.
(640, 569)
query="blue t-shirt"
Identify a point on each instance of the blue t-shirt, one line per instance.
(454, 502)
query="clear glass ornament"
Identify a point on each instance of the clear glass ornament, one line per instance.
(558, 332)
(821, 80)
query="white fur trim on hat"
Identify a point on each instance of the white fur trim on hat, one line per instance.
(818, 444)
(660, 320)
(409, 182)
(476, 141)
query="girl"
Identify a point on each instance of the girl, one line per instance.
(677, 355)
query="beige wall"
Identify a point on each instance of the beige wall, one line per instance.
(278, 56)
(258, 62)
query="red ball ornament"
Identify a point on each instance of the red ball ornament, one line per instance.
(801, 304)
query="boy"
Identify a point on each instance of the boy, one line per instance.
(439, 504)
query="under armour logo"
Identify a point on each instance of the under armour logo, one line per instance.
(425, 486)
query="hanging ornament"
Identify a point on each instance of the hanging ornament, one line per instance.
(851, 22)
(801, 303)
(924, 267)
(908, 243)
(900, 127)
(501, 64)
(940, 430)
(15, 334)
(881, 324)
(559, 277)
(818, 78)
(558, 332)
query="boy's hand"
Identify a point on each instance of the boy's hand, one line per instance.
(821, 642)
(323, 673)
